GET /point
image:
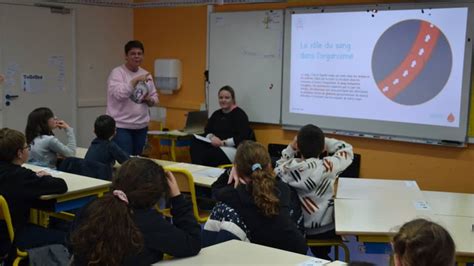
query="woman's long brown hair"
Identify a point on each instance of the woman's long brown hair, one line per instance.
(107, 233)
(262, 184)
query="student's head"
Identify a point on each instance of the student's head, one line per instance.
(134, 52)
(226, 97)
(13, 146)
(253, 163)
(423, 243)
(41, 121)
(310, 141)
(110, 234)
(104, 127)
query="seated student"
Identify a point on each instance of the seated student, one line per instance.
(261, 201)
(45, 147)
(123, 228)
(102, 148)
(21, 187)
(313, 179)
(423, 243)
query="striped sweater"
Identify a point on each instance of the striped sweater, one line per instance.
(313, 179)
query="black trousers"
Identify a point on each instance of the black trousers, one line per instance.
(204, 153)
(323, 252)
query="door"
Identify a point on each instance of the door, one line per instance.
(37, 60)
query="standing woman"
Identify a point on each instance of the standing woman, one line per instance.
(130, 92)
(45, 147)
(226, 128)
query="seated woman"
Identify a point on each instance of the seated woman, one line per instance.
(123, 228)
(225, 129)
(45, 147)
(262, 202)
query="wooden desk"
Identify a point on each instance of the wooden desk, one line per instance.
(380, 218)
(376, 221)
(236, 252)
(362, 188)
(81, 152)
(173, 136)
(80, 190)
(202, 175)
(448, 203)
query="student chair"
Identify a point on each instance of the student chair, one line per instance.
(331, 242)
(186, 185)
(5, 216)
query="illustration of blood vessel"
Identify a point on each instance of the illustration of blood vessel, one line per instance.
(412, 62)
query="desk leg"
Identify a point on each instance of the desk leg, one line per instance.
(173, 149)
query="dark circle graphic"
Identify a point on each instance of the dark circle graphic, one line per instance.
(411, 62)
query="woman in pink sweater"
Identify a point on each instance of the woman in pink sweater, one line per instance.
(130, 92)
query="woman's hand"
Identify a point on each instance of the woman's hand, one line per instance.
(216, 142)
(143, 77)
(61, 124)
(173, 185)
(149, 101)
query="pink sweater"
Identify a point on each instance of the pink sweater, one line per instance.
(127, 113)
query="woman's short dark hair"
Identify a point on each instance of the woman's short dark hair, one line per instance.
(134, 44)
(104, 127)
(230, 90)
(37, 124)
(310, 141)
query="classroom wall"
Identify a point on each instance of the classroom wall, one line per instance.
(181, 33)
(101, 33)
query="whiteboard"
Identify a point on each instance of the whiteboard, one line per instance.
(245, 52)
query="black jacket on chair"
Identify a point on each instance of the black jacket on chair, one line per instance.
(86, 168)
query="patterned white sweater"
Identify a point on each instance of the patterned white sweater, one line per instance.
(313, 179)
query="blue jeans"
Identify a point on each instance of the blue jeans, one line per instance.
(131, 141)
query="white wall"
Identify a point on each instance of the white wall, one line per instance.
(101, 33)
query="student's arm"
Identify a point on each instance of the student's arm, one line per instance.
(67, 150)
(242, 129)
(342, 155)
(117, 153)
(117, 85)
(35, 186)
(287, 154)
(180, 239)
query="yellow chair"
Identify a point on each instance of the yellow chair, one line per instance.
(5, 215)
(225, 166)
(331, 242)
(186, 184)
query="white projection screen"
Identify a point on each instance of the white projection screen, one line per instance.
(395, 71)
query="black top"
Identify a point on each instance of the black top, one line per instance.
(277, 231)
(106, 152)
(234, 124)
(180, 239)
(21, 187)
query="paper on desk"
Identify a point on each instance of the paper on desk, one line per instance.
(168, 133)
(201, 138)
(193, 168)
(210, 172)
(49, 171)
(313, 262)
(422, 205)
